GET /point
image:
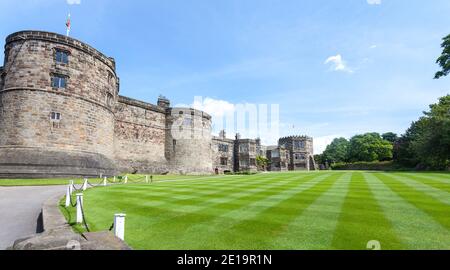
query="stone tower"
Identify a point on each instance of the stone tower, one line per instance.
(57, 98)
(301, 152)
(188, 141)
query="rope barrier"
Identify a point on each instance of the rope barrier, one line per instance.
(138, 180)
(96, 185)
(72, 204)
(77, 189)
(110, 181)
(119, 180)
(84, 218)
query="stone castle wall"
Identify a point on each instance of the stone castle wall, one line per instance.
(140, 131)
(28, 98)
(301, 152)
(220, 154)
(188, 141)
(98, 132)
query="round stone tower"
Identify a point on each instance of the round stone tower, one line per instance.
(57, 97)
(188, 141)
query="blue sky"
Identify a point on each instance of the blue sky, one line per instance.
(336, 68)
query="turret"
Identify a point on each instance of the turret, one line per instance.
(163, 102)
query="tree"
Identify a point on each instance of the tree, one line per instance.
(369, 147)
(444, 59)
(262, 162)
(336, 151)
(390, 137)
(426, 144)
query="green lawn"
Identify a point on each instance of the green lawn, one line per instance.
(78, 181)
(317, 210)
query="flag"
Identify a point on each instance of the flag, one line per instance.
(68, 25)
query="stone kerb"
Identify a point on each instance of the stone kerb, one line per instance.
(58, 234)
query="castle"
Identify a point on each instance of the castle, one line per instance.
(61, 115)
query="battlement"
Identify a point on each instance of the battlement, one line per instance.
(190, 111)
(63, 40)
(141, 104)
(293, 138)
(62, 115)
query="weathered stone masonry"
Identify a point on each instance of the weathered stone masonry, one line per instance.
(31, 143)
(61, 115)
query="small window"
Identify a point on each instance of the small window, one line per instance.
(55, 116)
(252, 162)
(243, 148)
(224, 161)
(243, 163)
(110, 77)
(275, 154)
(109, 100)
(59, 81)
(223, 148)
(299, 144)
(62, 57)
(174, 145)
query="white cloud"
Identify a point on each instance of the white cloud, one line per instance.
(250, 120)
(73, 2)
(373, 46)
(214, 107)
(338, 63)
(374, 2)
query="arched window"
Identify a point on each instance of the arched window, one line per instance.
(59, 81)
(61, 56)
(109, 100)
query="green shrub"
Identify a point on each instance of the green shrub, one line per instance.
(368, 166)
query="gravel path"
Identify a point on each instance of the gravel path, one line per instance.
(20, 208)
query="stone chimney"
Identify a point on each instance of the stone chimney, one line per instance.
(258, 141)
(223, 134)
(238, 136)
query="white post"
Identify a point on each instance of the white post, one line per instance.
(126, 179)
(119, 226)
(85, 184)
(114, 180)
(79, 205)
(101, 175)
(104, 181)
(71, 186)
(68, 194)
(146, 179)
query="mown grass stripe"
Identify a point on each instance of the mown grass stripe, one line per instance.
(439, 194)
(203, 226)
(168, 198)
(434, 208)
(259, 223)
(314, 228)
(176, 189)
(414, 227)
(362, 220)
(160, 211)
(438, 183)
(216, 183)
(173, 199)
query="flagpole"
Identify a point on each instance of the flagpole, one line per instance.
(68, 25)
